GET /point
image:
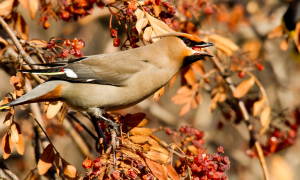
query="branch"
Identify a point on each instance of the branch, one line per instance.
(253, 140)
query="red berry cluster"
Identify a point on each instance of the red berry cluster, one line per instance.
(75, 47)
(205, 166)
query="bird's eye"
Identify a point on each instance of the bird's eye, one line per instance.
(187, 41)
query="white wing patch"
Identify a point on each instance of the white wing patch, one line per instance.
(88, 80)
(70, 73)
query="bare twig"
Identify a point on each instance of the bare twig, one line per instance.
(241, 104)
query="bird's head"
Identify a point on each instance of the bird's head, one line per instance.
(190, 47)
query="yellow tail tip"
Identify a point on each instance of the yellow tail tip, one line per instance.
(4, 107)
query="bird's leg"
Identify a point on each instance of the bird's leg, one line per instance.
(98, 113)
(99, 133)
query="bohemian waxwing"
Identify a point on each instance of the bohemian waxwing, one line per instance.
(118, 80)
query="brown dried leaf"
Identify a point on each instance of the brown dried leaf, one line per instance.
(53, 109)
(172, 172)
(158, 148)
(192, 149)
(137, 120)
(21, 26)
(141, 24)
(20, 146)
(276, 32)
(157, 169)
(33, 8)
(147, 33)
(62, 114)
(265, 118)
(130, 154)
(141, 131)
(198, 67)
(139, 14)
(7, 146)
(56, 163)
(7, 121)
(46, 160)
(224, 44)
(69, 170)
(14, 80)
(159, 27)
(38, 43)
(185, 109)
(139, 139)
(24, 3)
(243, 88)
(157, 156)
(258, 105)
(146, 147)
(159, 93)
(14, 134)
(6, 7)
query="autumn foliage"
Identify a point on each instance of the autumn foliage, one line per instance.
(236, 93)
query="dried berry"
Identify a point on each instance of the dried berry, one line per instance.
(242, 74)
(113, 33)
(260, 67)
(220, 149)
(116, 42)
(208, 10)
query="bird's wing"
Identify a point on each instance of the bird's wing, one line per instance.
(110, 69)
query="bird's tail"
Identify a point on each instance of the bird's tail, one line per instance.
(47, 91)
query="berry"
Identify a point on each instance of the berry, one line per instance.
(79, 45)
(194, 167)
(131, 173)
(198, 160)
(169, 131)
(208, 10)
(64, 53)
(157, 2)
(64, 15)
(220, 149)
(100, 4)
(129, 11)
(113, 33)
(242, 74)
(115, 174)
(46, 24)
(78, 53)
(216, 157)
(132, 5)
(87, 164)
(225, 160)
(117, 42)
(67, 42)
(260, 67)
(97, 164)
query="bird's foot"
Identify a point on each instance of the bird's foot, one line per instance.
(115, 126)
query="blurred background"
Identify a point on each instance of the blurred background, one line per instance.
(247, 23)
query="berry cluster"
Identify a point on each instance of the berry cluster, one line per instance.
(212, 167)
(75, 47)
(68, 10)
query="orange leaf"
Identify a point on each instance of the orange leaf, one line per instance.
(172, 172)
(14, 80)
(20, 147)
(24, 3)
(69, 170)
(296, 36)
(33, 7)
(139, 139)
(46, 160)
(276, 32)
(159, 93)
(190, 77)
(53, 109)
(224, 44)
(258, 105)
(21, 26)
(148, 33)
(185, 109)
(137, 120)
(141, 131)
(14, 134)
(198, 67)
(265, 118)
(243, 88)
(7, 146)
(157, 169)
(284, 44)
(6, 7)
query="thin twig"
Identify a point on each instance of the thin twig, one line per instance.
(245, 116)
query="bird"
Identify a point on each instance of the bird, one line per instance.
(115, 81)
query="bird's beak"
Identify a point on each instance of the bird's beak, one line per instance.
(198, 49)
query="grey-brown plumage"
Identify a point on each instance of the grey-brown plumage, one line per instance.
(118, 80)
